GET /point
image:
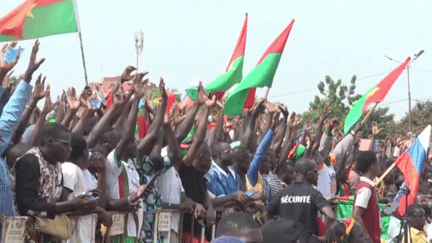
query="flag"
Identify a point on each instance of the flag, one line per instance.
(233, 73)
(262, 75)
(344, 209)
(234, 70)
(38, 18)
(374, 95)
(411, 163)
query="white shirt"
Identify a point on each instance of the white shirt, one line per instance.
(73, 178)
(327, 181)
(364, 194)
(114, 169)
(91, 181)
(170, 187)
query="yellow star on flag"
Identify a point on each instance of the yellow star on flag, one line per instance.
(29, 13)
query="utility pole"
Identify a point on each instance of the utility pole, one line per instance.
(409, 85)
(139, 45)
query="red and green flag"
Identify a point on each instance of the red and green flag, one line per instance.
(261, 76)
(233, 73)
(374, 95)
(38, 18)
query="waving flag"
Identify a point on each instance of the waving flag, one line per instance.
(374, 95)
(411, 163)
(262, 75)
(38, 18)
(233, 73)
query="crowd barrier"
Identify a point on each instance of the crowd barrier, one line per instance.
(14, 228)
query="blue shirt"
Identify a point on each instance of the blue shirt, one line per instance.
(221, 183)
(9, 118)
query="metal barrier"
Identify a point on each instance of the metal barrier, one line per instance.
(163, 225)
(14, 228)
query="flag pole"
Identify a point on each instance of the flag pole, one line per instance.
(267, 93)
(81, 42)
(385, 173)
(369, 113)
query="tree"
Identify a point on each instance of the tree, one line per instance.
(337, 96)
(421, 116)
(384, 121)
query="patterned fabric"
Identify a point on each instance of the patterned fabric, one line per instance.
(274, 182)
(50, 178)
(146, 169)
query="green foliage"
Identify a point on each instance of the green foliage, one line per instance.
(337, 96)
(384, 121)
(340, 98)
(421, 115)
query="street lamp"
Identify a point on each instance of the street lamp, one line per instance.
(409, 86)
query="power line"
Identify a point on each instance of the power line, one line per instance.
(308, 90)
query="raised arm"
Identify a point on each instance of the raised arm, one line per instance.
(47, 108)
(5, 67)
(375, 133)
(250, 129)
(278, 139)
(98, 131)
(128, 135)
(74, 105)
(218, 130)
(38, 94)
(88, 113)
(186, 125)
(315, 142)
(144, 147)
(259, 157)
(200, 133)
(289, 139)
(15, 106)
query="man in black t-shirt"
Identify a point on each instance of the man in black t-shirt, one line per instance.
(301, 202)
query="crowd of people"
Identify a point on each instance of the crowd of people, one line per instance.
(81, 155)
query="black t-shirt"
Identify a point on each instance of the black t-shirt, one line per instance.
(195, 188)
(193, 183)
(299, 202)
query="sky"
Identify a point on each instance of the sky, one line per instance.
(186, 40)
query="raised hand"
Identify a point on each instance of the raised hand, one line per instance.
(294, 121)
(33, 64)
(210, 102)
(6, 79)
(375, 130)
(48, 105)
(39, 91)
(333, 123)
(71, 98)
(7, 66)
(261, 106)
(324, 114)
(163, 90)
(284, 110)
(271, 107)
(201, 96)
(118, 99)
(127, 74)
(84, 100)
(139, 86)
